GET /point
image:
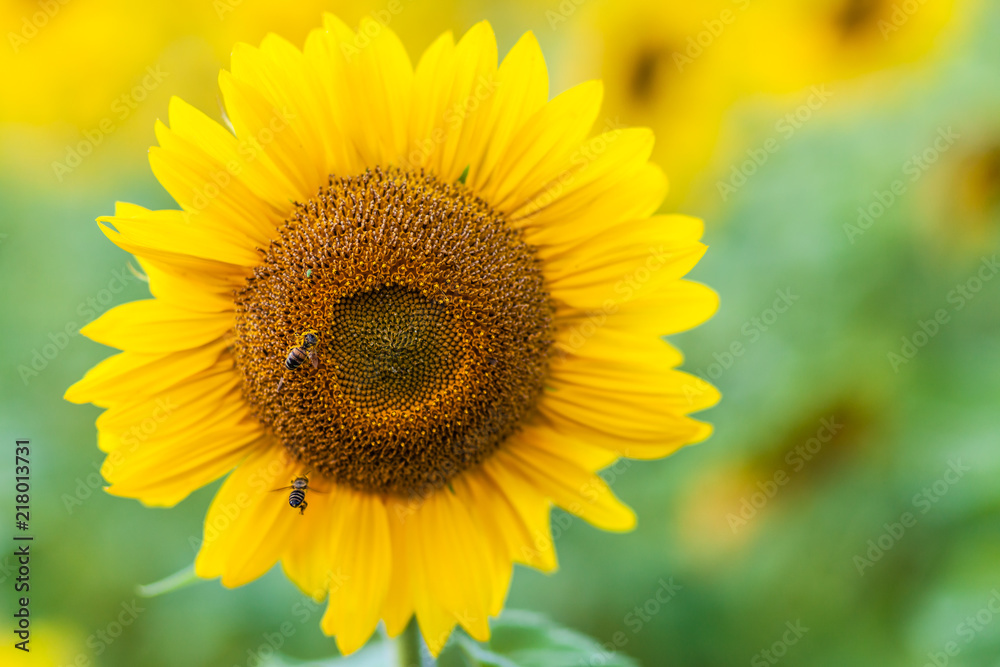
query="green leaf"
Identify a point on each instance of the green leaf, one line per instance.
(465, 174)
(376, 654)
(526, 639)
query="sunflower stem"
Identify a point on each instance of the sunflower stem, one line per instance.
(408, 646)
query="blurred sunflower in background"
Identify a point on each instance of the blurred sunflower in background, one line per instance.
(426, 291)
(825, 40)
(684, 68)
(178, 46)
(669, 66)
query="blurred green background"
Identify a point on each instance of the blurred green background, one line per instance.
(845, 155)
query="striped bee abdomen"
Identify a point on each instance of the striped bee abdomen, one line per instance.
(295, 358)
(296, 497)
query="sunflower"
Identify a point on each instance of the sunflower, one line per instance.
(658, 74)
(429, 291)
(826, 40)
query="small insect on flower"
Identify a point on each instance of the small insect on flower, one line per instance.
(302, 351)
(297, 497)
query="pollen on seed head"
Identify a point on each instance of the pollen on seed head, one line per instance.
(433, 327)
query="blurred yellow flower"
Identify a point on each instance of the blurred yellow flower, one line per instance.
(669, 66)
(818, 41)
(679, 67)
(419, 301)
(77, 61)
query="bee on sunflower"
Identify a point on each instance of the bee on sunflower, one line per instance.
(485, 285)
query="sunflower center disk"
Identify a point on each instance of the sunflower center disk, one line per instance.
(434, 332)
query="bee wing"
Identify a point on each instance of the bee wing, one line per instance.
(284, 488)
(314, 358)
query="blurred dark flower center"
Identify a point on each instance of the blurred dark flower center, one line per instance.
(647, 70)
(854, 18)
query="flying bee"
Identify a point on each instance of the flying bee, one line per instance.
(297, 496)
(299, 353)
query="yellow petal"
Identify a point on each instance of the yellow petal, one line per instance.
(307, 559)
(599, 425)
(238, 158)
(371, 82)
(522, 88)
(454, 554)
(153, 326)
(165, 473)
(589, 173)
(360, 549)
(542, 147)
(435, 622)
(249, 523)
(634, 391)
(494, 515)
(397, 608)
(129, 375)
(211, 193)
(656, 234)
(676, 307)
(338, 121)
(541, 436)
(462, 119)
(285, 79)
(576, 490)
(432, 82)
(268, 133)
(573, 219)
(185, 408)
(591, 340)
(532, 543)
(181, 289)
(173, 235)
(633, 259)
